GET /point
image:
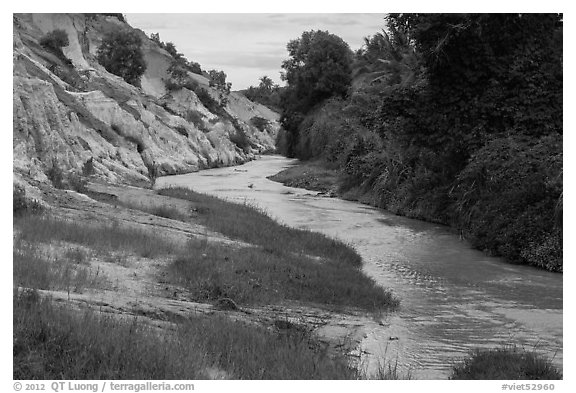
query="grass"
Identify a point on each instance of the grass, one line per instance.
(287, 264)
(253, 275)
(32, 270)
(51, 342)
(311, 175)
(45, 229)
(505, 363)
(252, 225)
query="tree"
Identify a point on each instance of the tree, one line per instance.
(319, 67)
(55, 41)
(121, 54)
(156, 38)
(218, 81)
(266, 83)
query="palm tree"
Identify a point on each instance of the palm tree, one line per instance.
(388, 58)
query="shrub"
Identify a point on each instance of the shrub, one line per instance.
(182, 131)
(137, 141)
(206, 99)
(194, 67)
(505, 363)
(77, 183)
(240, 139)
(55, 175)
(121, 54)
(218, 81)
(21, 204)
(195, 117)
(88, 167)
(260, 123)
(55, 41)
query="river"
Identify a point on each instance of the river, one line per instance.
(453, 298)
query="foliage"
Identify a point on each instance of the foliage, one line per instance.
(121, 54)
(218, 81)
(507, 194)
(196, 118)
(505, 363)
(453, 118)
(319, 67)
(240, 139)
(210, 103)
(55, 41)
(56, 175)
(22, 204)
(88, 167)
(266, 93)
(260, 123)
(77, 183)
(179, 67)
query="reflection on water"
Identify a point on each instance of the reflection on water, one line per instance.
(453, 298)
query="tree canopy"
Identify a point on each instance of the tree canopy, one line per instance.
(319, 67)
(453, 118)
(121, 54)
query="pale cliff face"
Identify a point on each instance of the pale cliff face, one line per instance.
(68, 114)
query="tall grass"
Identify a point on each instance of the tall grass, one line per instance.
(114, 236)
(254, 226)
(254, 275)
(505, 363)
(51, 342)
(32, 270)
(280, 269)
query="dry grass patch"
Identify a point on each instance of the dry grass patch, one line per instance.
(51, 342)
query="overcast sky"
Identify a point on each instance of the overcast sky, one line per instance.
(248, 46)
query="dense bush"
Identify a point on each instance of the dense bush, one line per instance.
(260, 123)
(55, 41)
(218, 81)
(121, 54)
(505, 363)
(453, 118)
(240, 139)
(21, 203)
(56, 175)
(319, 67)
(266, 93)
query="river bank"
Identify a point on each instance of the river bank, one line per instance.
(121, 255)
(318, 176)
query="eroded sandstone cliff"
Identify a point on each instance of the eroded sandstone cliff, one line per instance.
(71, 114)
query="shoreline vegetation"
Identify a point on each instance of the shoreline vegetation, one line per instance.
(449, 118)
(317, 175)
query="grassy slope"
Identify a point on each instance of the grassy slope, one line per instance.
(288, 264)
(51, 342)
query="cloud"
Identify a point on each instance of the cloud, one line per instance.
(254, 43)
(247, 60)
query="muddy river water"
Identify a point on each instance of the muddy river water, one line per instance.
(453, 298)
